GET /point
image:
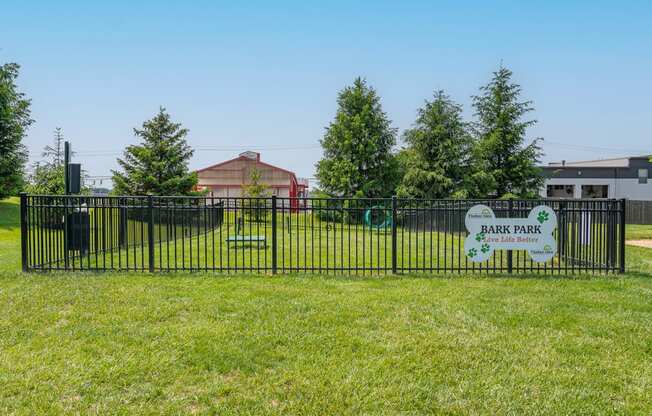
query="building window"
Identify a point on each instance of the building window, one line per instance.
(642, 176)
(595, 191)
(560, 191)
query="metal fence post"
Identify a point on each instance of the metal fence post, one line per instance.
(274, 259)
(122, 223)
(394, 268)
(150, 231)
(561, 230)
(23, 230)
(510, 254)
(612, 241)
(622, 234)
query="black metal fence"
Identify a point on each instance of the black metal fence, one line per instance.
(279, 235)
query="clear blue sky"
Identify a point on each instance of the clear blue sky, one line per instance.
(266, 74)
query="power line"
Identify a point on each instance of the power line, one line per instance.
(545, 143)
(97, 153)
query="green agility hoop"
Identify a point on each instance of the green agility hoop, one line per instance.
(387, 221)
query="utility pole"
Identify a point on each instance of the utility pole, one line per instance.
(66, 162)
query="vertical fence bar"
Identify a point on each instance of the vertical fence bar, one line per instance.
(510, 207)
(66, 263)
(611, 250)
(394, 268)
(622, 234)
(150, 231)
(274, 258)
(23, 230)
(561, 230)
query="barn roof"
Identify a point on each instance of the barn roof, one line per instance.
(247, 157)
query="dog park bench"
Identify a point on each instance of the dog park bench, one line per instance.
(247, 239)
(244, 239)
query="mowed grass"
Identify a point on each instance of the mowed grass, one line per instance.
(638, 232)
(135, 343)
(9, 235)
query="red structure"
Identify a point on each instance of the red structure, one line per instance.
(227, 179)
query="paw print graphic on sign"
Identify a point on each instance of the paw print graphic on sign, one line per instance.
(542, 216)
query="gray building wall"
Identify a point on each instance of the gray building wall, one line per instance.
(621, 181)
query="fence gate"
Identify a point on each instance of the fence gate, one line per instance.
(360, 236)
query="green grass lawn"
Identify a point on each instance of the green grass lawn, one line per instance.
(131, 343)
(638, 232)
(9, 235)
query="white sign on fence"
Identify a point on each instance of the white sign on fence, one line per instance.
(488, 233)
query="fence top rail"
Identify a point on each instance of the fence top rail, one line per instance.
(246, 198)
(155, 197)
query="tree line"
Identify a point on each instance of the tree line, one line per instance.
(157, 165)
(444, 156)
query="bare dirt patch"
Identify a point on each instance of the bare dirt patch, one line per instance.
(640, 243)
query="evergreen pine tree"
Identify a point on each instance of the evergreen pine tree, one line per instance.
(159, 165)
(437, 155)
(55, 152)
(506, 166)
(47, 177)
(14, 122)
(357, 146)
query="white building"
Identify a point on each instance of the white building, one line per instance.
(626, 177)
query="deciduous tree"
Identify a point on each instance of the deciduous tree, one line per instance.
(14, 121)
(255, 189)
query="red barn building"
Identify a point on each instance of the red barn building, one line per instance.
(227, 179)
